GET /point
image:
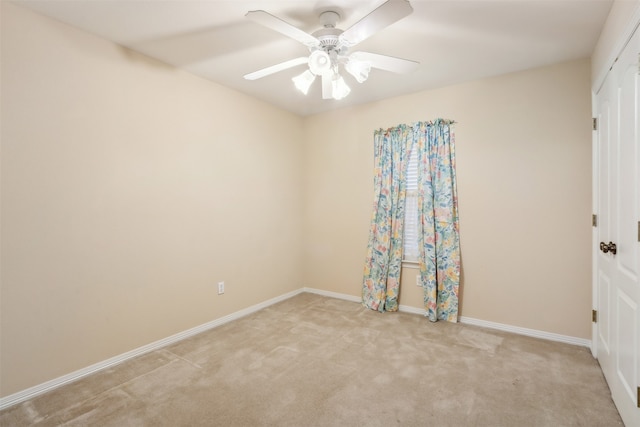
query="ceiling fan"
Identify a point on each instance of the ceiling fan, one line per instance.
(329, 48)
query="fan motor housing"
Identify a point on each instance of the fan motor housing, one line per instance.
(328, 36)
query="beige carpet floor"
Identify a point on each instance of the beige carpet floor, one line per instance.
(317, 361)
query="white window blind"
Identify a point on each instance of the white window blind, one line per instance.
(410, 252)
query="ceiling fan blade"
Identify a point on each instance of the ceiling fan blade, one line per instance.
(387, 63)
(277, 24)
(327, 88)
(275, 68)
(382, 17)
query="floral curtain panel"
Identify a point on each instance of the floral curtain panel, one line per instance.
(438, 224)
(384, 250)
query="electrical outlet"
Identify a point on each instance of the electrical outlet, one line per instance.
(220, 288)
(418, 280)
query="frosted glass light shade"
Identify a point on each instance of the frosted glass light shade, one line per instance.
(358, 69)
(319, 62)
(303, 81)
(339, 88)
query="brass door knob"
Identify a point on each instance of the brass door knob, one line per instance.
(610, 247)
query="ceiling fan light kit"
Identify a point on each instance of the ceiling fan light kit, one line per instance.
(329, 47)
(358, 69)
(339, 88)
(319, 62)
(304, 81)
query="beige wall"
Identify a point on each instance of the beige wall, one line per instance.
(524, 168)
(128, 190)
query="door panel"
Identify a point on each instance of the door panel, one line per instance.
(627, 211)
(627, 361)
(604, 105)
(603, 318)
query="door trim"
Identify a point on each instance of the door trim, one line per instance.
(616, 50)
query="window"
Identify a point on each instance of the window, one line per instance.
(410, 250)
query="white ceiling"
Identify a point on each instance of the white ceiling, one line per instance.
(454, 41)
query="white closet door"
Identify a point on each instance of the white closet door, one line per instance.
(618, 261)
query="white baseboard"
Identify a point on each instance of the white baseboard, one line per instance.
(32, 392)
(526, 331)
(476, 322)
(332, 294)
